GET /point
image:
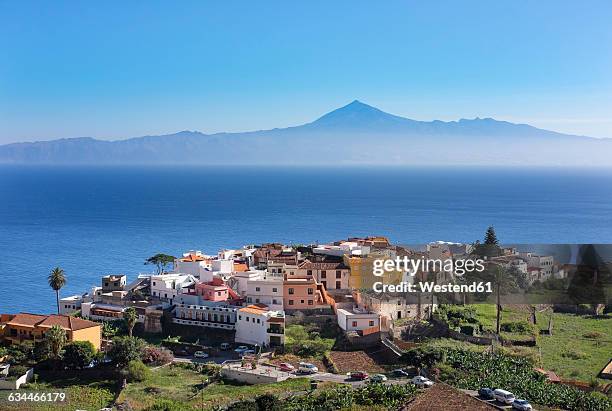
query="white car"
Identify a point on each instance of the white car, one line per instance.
(521, 405)
(307, 368)
(200, 354)
(422, 382)
(503, 396)
(248, 352)
(241, 349)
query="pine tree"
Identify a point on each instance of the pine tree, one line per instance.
(491, 237)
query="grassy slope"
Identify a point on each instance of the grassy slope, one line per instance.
(180, 384)
(569, 352)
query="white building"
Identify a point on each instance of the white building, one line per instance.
(70, 305)
(239, 281)
(357, 320)
(266, 289)
(344, 248)
(256, 324)
(543, 262)
(195, 263)
(194, 310)
(166, 286)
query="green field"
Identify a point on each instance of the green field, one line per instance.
(579, 347)
(183, 385)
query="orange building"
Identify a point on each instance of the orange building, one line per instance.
(32, 327)
(303, 293)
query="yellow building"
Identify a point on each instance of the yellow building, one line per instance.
(32, 327)
(362, 271)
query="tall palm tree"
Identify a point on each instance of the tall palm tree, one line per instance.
(130, 316)
(57, 279)
(55, 339)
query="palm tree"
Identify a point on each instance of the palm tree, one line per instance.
(57, 279)
(130, 316)
(55, 339)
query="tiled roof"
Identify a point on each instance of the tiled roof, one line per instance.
(254, 309)
(47, 321)
(240, 267)
(26, 319)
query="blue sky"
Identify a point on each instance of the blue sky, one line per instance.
(114, 70)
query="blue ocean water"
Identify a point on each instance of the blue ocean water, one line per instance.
(93, 221)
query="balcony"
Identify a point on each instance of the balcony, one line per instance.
(276, 330)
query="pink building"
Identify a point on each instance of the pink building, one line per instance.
(215, 290)
(302, 294)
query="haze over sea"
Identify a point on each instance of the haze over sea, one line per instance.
(93, 221)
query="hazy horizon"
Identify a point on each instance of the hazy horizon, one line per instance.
(72, 69)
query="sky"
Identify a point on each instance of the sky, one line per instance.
(118, 69)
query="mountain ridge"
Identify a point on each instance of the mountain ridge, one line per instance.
(356, 133)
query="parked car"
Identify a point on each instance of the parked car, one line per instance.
(422, 382)
(200, 354)
(248, 352)
(503, 396)
(399, 373)
(522, 405)
(358, 375)
(378, 378)
(285, 366)
(307, 368)
(486, 393)
(240, 349)
(225, 346)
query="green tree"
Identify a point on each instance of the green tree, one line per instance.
(55, 338)
(130, 316)
(79, 354)
(126, 349)
(161, 261)
(490, 236)
(137, 371)
(57, 279)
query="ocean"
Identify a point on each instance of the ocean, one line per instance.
(93, 221)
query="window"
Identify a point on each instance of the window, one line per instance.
(310, 291)
(153, 282)
(257, 300)
(218, 292)
(274, 302)
(323, 274)
(257, 289)
(338, 285)
(291, 291)
(309, 302)
(324, 284)
(290, 302)
(249, 300)
(275, 290)
(338, 274)
(247, 319)
(301, 301)
(258, 321)
(308, 272)
(371, 323)
(354, 323)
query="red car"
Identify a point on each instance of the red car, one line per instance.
(285, 366)
(359, 375)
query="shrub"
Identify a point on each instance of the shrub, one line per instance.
(168, 405)
(79, 354)
(137, 371)
(268, 402)
(126, 349)
(156, 356)
(521, 327)
(574, 354)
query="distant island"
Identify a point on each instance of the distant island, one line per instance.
(356, 134)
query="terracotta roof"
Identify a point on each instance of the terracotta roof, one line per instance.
(26, 319)
(254, 309)
(240, 267)
(444, 397)
(47, 321)
(191, 258)
(67, 322)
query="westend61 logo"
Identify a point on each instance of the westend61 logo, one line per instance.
(412, 266)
